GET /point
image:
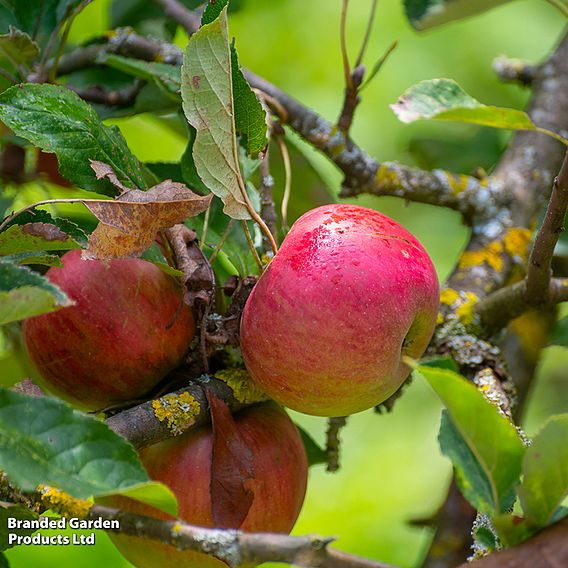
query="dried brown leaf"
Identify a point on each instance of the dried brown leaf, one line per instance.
(232, 470)
(129, 224)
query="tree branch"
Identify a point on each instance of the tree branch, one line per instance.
(515, 70)
(176, 412)
(540, 262)
(179, 13)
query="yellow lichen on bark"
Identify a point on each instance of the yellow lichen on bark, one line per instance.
(245, 390)
(178, 411)
(516, 242)
(491, 255)
(63, 503)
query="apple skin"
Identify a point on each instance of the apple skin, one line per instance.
(128, 328)
(184, 465)
(347, 295)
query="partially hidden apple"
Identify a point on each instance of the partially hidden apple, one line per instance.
(128, 328)
(184, 465)
(349, 293)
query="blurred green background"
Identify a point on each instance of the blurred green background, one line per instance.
(392, 471)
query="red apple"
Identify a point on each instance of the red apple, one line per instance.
(184, 465)
(128, 328)
(347, 295)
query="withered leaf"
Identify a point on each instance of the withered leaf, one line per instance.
(232, 470)
(129, 224)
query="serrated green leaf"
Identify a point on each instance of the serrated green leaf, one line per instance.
(545, 472)
(43, 441)
(208, 105)
(18, 47)
(444, 99)
(57, 120)
(424, 14)
(250, 117)
(14, 512)
(34, 237)
(34, 257)
(24, 294)
(490, 437)
(213, 11)
(315, 453)
(42, 216)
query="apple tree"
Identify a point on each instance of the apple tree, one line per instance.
(166, 314)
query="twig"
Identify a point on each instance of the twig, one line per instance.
(251, 246)
(180, 14)
(334, 426)
(118, 98)
(343, 43)
(367, 36)
(74, 13)
(288, 180)
(222, 240)
(540, 261)
(510, 302)
(267, 207)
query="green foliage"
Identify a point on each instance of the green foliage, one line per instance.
(315, 453)
(32, 237)
(57, 120)
(25, 294)
(545, 473)
(424, 14)
(17, 48)
(8, 511)
(43, 441)
(483, 444)
(559, 335)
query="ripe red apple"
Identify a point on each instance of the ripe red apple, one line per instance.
(347, 295)
(184, 465)
(128, 328)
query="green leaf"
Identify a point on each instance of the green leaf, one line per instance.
(207, 94)
(166, 76)
(445, 100)
(8, 511)
(545, 472)
(18, 47)
(472, 479)
(42, 216)
(250, 117)
(424, 14)
(315, 453)
(35, 237)
(4, 561)
(559, 334)
(512, 529)
(493, 442)
(43, 441)
(213, 11)
(57, 120)
(152, 493)
(34, 257)
(24, 294)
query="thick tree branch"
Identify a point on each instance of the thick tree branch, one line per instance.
(363, 174)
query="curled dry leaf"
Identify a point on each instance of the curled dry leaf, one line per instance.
(129, 224)
(232, 470)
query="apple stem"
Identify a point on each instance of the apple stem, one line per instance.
(251, 246)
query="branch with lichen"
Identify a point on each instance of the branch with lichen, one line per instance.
(234, 547)
(514, 70)
(176, 412)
